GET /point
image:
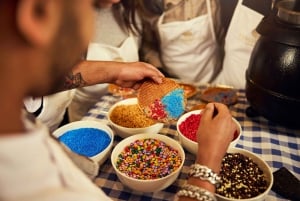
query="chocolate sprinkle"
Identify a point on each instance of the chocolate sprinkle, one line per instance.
(241, 177)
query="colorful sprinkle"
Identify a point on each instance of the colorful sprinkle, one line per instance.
(86, 141)
(147, 159)
(157, 110)
(174, 103)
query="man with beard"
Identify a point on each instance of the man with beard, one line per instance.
(40, 41)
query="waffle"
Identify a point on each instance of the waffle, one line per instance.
(162, 102)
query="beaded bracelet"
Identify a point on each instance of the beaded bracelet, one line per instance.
(196, 192)
(204, 173)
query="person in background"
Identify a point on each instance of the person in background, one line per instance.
(183, 38)
(116, 38)
(240, 39)
(37, 51)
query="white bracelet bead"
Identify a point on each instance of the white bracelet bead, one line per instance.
(204, 173)
(196, 192)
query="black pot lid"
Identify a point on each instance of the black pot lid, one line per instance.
(284, 25)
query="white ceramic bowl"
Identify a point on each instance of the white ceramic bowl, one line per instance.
(126, 132)
(103, 155)
(191, 145)
(262, 165)
(147, 185)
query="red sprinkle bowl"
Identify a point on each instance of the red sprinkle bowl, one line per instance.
(187, 126)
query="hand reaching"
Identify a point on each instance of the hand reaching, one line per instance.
(215, 132)
(132, 74)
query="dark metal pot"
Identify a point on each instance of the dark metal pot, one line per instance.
(273, 75)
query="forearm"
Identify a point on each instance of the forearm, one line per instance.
(87, 73)
(214, 135)
(124, 74)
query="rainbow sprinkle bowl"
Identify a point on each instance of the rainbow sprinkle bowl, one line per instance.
(138, 161)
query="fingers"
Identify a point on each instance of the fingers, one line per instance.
(157, 79)
(160, 74)
(137, 85)
(207, 113)
(215, 109)
(153, 73)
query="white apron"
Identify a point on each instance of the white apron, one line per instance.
(189, 49)
(239, 42)
(86, 97)
(54, 107)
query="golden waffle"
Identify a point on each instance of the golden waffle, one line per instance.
(150, 95)
(151, 91)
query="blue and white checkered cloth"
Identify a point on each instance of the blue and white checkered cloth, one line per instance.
(277, 145)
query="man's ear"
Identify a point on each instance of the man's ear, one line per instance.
(38, 20)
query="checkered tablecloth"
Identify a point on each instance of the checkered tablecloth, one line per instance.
(278, 146)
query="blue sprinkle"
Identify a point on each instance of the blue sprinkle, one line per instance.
(174, 103)
(86, 141)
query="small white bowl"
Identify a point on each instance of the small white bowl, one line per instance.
(147, 185)
(101, 156)
(262, 165)
(126, 132)
(191, 145)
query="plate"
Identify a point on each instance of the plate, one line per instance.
(225, 95)
(199, 106)
(121, 91)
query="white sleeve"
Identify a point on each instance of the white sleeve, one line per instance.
(32, 104)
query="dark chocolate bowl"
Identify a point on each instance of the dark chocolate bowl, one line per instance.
(239, 167)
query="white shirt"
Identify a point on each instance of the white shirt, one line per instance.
(33, 167)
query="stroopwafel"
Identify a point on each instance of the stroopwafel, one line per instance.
(162, 102)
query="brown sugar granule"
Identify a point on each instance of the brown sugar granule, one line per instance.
(241, 177)
(130, 116)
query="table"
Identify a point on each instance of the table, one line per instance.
(277, 145)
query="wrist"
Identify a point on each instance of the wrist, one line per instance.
(204, 173)
(210, 158)
(211, 163)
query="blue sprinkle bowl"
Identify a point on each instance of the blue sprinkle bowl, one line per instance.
(93, 139)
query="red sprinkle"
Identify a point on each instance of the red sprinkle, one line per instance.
(157, 110)
(189, 127)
